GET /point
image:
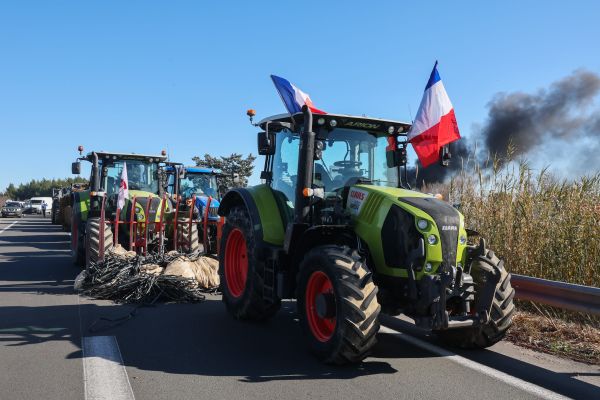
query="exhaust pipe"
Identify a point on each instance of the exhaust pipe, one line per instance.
(305, 167)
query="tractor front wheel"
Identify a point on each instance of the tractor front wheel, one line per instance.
(337, 304)
(501, 314)
(97, 241)
(242, 275)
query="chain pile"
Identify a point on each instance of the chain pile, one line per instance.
(123, 280)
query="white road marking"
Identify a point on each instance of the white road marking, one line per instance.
(104, 374)
(465, 362)
(2, 231)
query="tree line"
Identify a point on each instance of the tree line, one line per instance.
(38, 188)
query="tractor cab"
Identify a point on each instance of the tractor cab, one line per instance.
(348, 150)
(200, 183)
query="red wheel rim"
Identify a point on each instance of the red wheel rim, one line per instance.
(321, 328)
(236, 263)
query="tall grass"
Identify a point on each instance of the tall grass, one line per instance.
(539, 224)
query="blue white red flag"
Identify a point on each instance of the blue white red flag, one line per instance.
(435, 124)
(123, 188)
(292, 97)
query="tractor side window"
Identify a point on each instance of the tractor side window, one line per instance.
(171, 184)
(113, 178)
(382, 175)
(285, 163)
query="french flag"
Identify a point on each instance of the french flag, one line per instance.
(292, 97)
(435, 124)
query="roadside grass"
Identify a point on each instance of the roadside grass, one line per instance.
(541, 225)
(575, 340)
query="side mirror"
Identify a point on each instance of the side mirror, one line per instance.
(396, 157)
(76, 168)
(266, 144)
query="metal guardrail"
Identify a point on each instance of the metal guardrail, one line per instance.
(568, 296)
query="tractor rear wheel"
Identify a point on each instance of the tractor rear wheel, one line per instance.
(337, 304)
(97, 241)
(501, 314)
(187, 236)
(242, 275)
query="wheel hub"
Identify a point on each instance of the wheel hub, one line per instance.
(325, 305)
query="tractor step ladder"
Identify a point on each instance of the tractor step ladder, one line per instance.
(269, 293)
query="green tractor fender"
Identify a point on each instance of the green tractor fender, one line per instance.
(267, 210)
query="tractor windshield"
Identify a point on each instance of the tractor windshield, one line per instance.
(198, 184)
(348, 154)
(141, 175)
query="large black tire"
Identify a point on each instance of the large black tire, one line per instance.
(94, 249)
(501, 313)
(345, 332)
(242, 275)
(77, 248)
(183, 234)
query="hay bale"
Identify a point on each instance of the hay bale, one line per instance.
(151, 269)
(206, 270)
(181, 266)
(120, 251)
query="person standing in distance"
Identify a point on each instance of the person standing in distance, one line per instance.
(44, 205)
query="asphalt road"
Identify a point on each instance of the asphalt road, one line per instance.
(196, 351)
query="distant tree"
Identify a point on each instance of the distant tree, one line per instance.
(229, 165)
(39, 188)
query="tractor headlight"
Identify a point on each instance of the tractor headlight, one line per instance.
(462, 240)
(321, 121)
(428, 267)
(432, 239)
(333, 123)
(422, 224)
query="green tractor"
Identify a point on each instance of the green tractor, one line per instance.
(336, 226)
(143, 223)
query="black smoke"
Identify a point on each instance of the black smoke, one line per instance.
(533, 124)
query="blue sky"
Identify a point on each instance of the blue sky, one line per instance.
(146, 75)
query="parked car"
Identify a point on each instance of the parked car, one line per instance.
(12, 209)
(36, 203)
(27, 209)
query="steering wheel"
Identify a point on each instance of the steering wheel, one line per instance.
(134, 186)
(347, 164)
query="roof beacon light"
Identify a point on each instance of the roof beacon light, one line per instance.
(80, 149)
(251, 113)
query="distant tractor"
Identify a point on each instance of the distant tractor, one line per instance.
(142, 224)
(336, 226)
(196, 193)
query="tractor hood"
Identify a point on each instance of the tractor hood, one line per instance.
(399, 218)
(202, 201)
